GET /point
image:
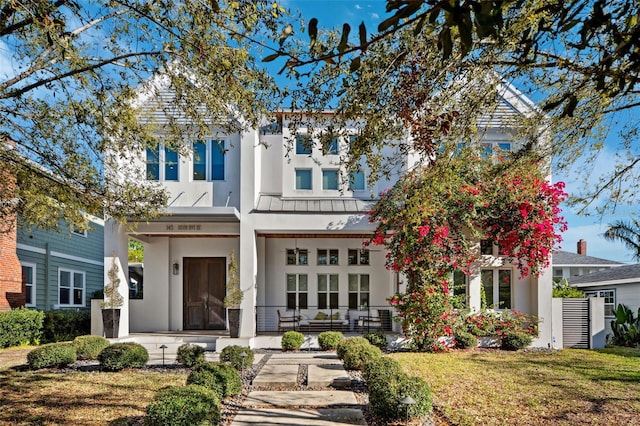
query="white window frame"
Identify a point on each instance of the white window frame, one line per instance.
(335, 172)
(301, 141)
(210, 145)
(72, 273)
(303, 169)
(162, 165)
(78, 232)
(328, 291)
(496, 287)
(351, 181)
(328, 258)
(32, 286)
(358, 257)
(359, 292)
(298, 291)
(598, 293)
(299, 256)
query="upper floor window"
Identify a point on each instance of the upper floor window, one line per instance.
(76, 230)
(303, 145)
(29, 282)
(358, 257)
(209, 160)
(303, 179)
(331, 147)
(328, 257)
(491, 148)
(357, 181)
(297, 257)
(330, 180)
(162, 163)
(71, 288)
(486, 247)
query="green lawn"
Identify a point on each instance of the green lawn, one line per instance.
(570, 387)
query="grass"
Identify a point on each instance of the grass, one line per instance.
(569, 387)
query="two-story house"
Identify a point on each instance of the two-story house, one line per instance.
(297, 223)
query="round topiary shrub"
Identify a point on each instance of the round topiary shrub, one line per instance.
(516, 340)
(89, 347)
(465, 340)
(356, 356)
(381, 369)
(346, 343)
(184, 406)
(328, 340)
(377, 339)
(221, 378)
(52, 355)
(292, 341)
(123, 355)
(190, 355)
(233, 355)
(386, 389)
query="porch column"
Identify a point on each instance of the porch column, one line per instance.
(475, 284)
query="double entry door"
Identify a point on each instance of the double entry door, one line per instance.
(204, 290)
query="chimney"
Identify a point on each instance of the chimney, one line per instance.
(582, 247)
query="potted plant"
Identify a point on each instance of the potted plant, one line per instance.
(233, 297)
(113, 300)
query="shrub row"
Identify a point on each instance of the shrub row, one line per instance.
(356, 352)
(190, 355)
(123, 355)
(20, 327)
(328, 340)
(65, 325)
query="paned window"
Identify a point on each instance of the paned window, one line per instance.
(303, 179)
(357, 181)
(486, 247)
(609, 300)
(303, 145)
(491, 148)
(359, 291)
(297, 257)
(328, 291)
(330, 180)
(328, 256)
(497, 287)
(209, 160)
(459, 288)
(557, 275)
(358, 257)
(297, 291)
(331, 147)
(162, 163)
(76, 230)
(71, 288)
(29, 282)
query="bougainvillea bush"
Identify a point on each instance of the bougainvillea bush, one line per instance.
(433, 218)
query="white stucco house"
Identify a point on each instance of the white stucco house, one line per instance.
(297, 225)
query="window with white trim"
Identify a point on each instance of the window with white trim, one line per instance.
(209, 160)
(303, 145)
(491, 148)
(328, 256)
(76, 230)
(297, 257)
(459, 288)
(496, 285)
(297, 291)
(29, 283)
(330, 179)
(330, 146)
(71, 287)
(359, 291)
(328, 286)
(162, 163)
(303, 179)
(357, 181)
(358, 257)
(609, 300)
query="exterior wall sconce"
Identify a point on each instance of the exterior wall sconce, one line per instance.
(176, 268)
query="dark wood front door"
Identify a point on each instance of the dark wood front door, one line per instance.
(204, 289)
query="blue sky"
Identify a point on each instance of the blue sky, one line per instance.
(332, 13)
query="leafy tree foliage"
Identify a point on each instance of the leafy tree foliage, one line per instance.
(69, 84)
(627, 233)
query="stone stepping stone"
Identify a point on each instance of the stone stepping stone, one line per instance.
(303, 358)
(277, 375)
(300, 417)
(325, 375)
(283, 399)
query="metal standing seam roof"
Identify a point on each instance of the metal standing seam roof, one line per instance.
(276, 203)
(627, 272)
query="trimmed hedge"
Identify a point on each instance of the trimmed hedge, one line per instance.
(58, 354)
(381, 368)
(328, 340)
(20, 327)
(292, 340)
(377, 339)
(515, 341)
(223, 379)
(232, 355)
(123, 355)
(346, 343)
(465, 340)
(190, 355)
(89, 347)
(357, 356)
(184, 406)
(65, 325)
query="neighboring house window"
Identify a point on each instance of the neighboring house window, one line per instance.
(209, 160)
(71, 288)
(29, 282)
(303, 145)
(358, 257)
(574, 272)
(609, 300)
(76, 230)
(557, 275)
(297, 288)
(162, 163)
(303, 179)
(359, 291)
(331, 148)
(496, 285)
(328, 291)
(459, 288)
(330, 180)
(297, 257)
(357, 181)
(328, 257)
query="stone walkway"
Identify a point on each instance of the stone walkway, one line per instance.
(290, 406)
